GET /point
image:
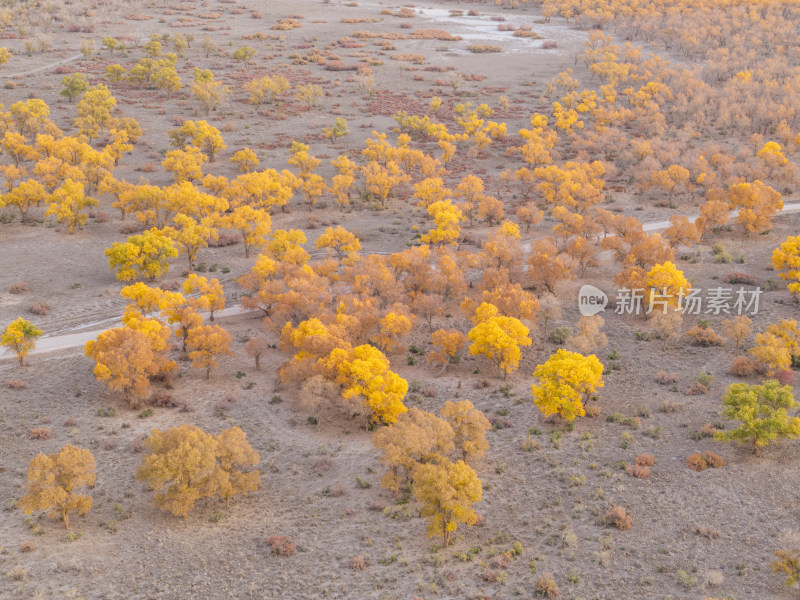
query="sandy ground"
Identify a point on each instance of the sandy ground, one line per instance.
(549, 499)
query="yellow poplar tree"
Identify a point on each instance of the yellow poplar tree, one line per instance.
(142, 255)
(449, 344)
(25, 196)
(209, 294)
(252, 223)
(54, 481)
(565, 379)
(498, 338)
(205, 343)
(786, 258)
(365, 372)
(68, 204)
(184, 464)
(20, 336)
(447, 492)
(469, 428)
(417, 437)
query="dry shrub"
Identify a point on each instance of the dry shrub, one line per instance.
(500, 561)
(715, 461)
(549, 44)
(705, 336)
(337, 491)
(434, 34)
(696, 389)
(665, 378)
(322, 465)
(640, 472)
(338, 65)
(645, 460)
(16, 384)
(739, 278)
(99, 217)
(483, 48)
(522, 33)
(618, 517)
(40, 433)
(137, 444)
(26, 546)
(708, 430)
(742, 366)
(591, 411)
(162, 399)
(226, 238)
(500, 423)
(669, 407)
(707, 531)
(281, 545)
(40, 308)
(358, 563)
(129, 228)
(415, 58)
(784, 376)
(492, 576)
(286, 25)
(70, 422)
(170, 286)
(696, 462)
(20, 287)
(149, 167)
(546, 587)
(254, 14)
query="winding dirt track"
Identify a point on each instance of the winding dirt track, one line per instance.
(41, 69)
(79, 339)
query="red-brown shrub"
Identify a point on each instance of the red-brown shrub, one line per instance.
(40, 433)
(39, 308)
(742, 366)
(281, 545)
(696, 389)
(739, 278)
(696, 462)
(705, 336)
(645, 460)
(715, 461)
(640, 472)
(358, 563)
(784, 376)
(16, 384)
(549, 44)
(618, 517)
(162, 398)
(20, 287)
(129, 228)
(225, 238)
(665, 378)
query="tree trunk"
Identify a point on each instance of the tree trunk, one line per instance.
(65, 516)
